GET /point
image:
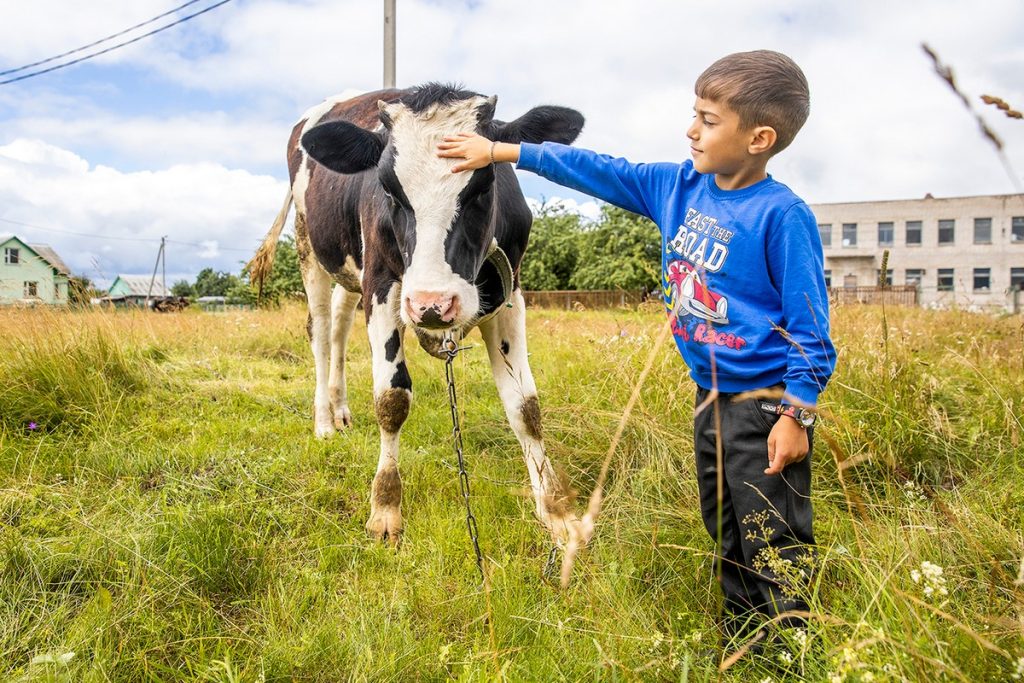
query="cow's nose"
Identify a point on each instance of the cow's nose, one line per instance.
(432, 309)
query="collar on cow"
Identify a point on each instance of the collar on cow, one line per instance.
(495, 282)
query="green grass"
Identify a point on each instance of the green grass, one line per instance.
(171, 517)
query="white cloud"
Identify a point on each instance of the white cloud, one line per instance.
(212, 216)
(590, 210)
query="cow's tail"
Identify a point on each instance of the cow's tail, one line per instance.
(261, 263)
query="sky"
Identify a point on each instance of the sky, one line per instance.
(183, 134)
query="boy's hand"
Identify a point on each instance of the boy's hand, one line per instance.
(787, 443)
(475, 150)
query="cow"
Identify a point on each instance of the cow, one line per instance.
(381, 217)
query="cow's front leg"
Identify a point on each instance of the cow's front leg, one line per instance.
(343, 310)
(505, 336)
(392, 397)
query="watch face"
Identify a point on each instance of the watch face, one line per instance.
(806, 418)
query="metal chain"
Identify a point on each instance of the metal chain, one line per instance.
(452, 348)
(549, 566)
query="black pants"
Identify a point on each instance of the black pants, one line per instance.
(762, 524)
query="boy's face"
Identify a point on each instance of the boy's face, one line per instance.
(717, 143)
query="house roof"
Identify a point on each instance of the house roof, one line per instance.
(138, 285)
(49, 255)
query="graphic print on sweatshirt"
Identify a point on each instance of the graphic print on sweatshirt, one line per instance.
(699, 248)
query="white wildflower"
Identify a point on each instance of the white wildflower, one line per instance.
(1018, 673)
(913, 492)
(786, 657)
(800, 634)
(931, 580)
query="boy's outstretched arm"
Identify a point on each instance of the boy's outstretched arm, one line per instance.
(476, 151)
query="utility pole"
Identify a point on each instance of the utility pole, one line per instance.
(389, 43)
(160, 258)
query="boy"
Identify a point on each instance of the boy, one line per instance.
(743, 277)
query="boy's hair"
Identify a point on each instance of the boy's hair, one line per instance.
(765, 88)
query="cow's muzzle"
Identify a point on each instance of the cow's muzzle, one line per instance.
(432, 310)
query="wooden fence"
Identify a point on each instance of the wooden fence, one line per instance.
(569, 300)
(896, 295)
(579, 299)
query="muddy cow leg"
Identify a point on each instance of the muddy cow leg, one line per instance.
(343, 310)
(317, 284)
(505, 336)
(392, 397)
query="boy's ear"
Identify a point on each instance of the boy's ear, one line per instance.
(762, 140)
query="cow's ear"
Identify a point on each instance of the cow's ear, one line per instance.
(343, 147)
(485, 111)
(540, 124)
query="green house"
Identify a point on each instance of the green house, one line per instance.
(135, 290)
(31, 274)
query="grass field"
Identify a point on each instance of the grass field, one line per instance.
(166, 514)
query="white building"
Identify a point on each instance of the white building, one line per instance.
(963, 251)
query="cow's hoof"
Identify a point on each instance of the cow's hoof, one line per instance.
(323, 423)
(568, 529)
(385, 524)
(324, 431)
(342, 418)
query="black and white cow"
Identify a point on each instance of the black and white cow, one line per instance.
(380, 214)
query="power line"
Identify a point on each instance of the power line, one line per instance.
(114, 237)
(97, 42)
(115, 47)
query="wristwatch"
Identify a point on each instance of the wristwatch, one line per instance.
(804, 417)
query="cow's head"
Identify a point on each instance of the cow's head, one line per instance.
(443, 222)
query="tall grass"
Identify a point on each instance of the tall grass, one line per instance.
(172, 518)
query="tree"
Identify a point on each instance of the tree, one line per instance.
(621, 251)
(80, 290)
(551, 255)
(183, 288)
(284, 281)
(213, 283)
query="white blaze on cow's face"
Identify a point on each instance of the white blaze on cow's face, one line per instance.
(434, 295)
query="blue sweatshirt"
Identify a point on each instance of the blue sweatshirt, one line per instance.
(742, 270)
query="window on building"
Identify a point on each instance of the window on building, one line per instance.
(888, 277)
(944, 279)
(982, 279)
(849, 234)
(1017, 279)
(1017, 230)
(828, 277)
(825, 231)
(849, 281)
(885, 234)
(983, 231)
(915, 276)
(12, 256)
(31, 289)
(947, 231)
(913, 232)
